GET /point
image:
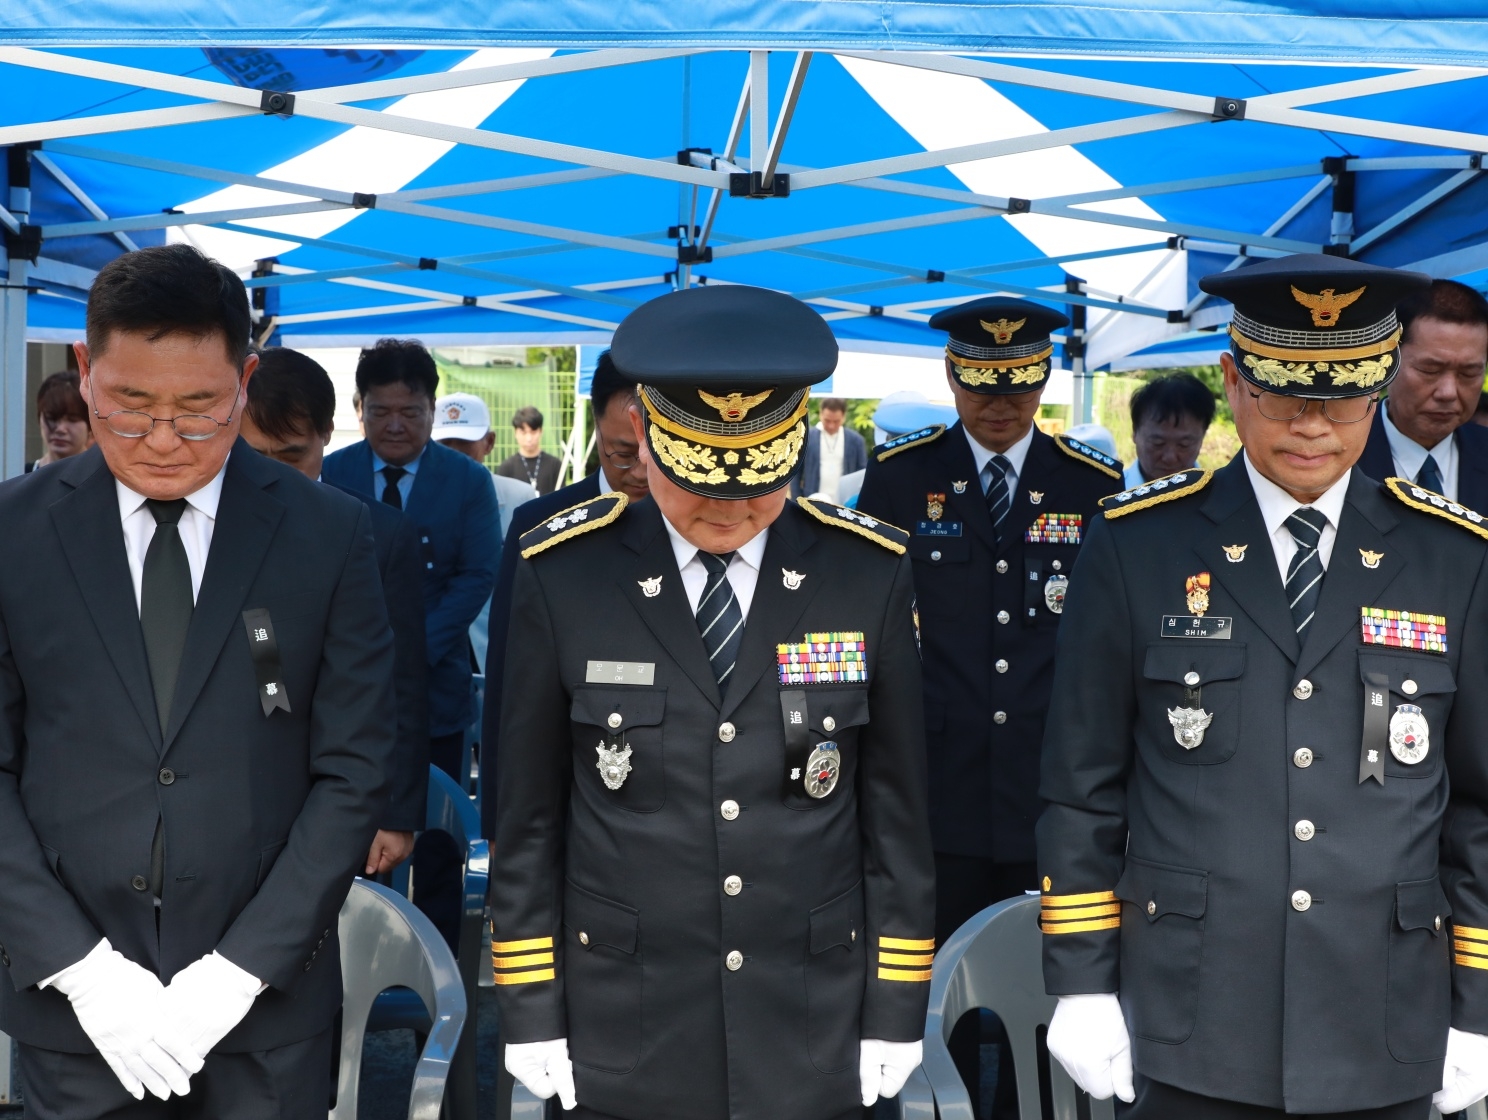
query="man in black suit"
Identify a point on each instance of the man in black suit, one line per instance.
(1424, 432)
(290, 416)
(188, 781)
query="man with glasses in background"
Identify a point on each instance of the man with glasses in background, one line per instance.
(196, 688)
(1169, 418)
(1264, 858)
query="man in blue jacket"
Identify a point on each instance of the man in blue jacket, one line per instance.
(449, 498)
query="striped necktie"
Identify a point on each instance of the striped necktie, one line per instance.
(999, 498)
(719, 618)
(1304, 582)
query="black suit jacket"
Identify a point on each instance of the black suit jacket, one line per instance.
(987, 627)
(396, 539)
(266, 818)
(524, 517)
(629, 888)
(1472, 460)
(1234, 987)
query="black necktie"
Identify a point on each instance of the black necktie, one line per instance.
(999, 499)
(1429, 475)
(1304, 582)
(165, 602)
(392, 495)
(719, 618)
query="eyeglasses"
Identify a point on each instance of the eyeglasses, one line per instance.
(1340, 410)
(619, 462)
(188, 425)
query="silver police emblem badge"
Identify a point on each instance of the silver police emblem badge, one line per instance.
(1054, 591)
(823, 769)
(650, 587)
(1189, 725)
(792, 580)
(959, 487)
(614, 764)
(1410, 738)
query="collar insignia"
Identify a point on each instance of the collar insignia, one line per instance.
(959, 487)
(650, 588)
(1371, 559)
(1235, 553)
(792, 580)
(1035, 497)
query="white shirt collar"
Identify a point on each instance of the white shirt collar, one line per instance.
(203, 500)
(605, 487)
(1277, 505)
(751, 552)
(1016, 454)
(1409, 455)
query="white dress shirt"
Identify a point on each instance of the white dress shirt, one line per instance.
(742, 573)
(1277, 505)
(1017, 455)
(1409, 456)
(831, 448)
(195, 527)
(405, 484)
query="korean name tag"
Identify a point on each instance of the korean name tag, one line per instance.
(263, 647)
(620, 672)
(1197, 626)
(937, 528)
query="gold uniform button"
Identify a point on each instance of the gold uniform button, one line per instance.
(1151, 907)
(726, 732)
(1001, 567)
(583, 938)
(1303, 689)
(1003, 617)
(1301, 900)
(729, 809)
(1000, 665)
(1408, 687)
(1305, 830)
(999, 717)
(829, 724)
(733, 885)
(614, 719)
(1302, 757)
(735, 961)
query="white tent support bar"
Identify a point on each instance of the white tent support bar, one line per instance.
(1366, 87)
(363, 312)
(15, 417)
(8, 220)
(1177, 228)
(759, 106)
(81, 195)
(76, 67)
(1180, 186)
(1376, 130)
(495, 186)
(120, 122)
(165, 221)
(531, 229)
(1411, 209)
(787, 111)
(1410, 163)
(863, 229)
(730, 150)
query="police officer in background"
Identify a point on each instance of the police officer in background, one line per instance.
(712, 885)
(1265, 857)
(998, 511)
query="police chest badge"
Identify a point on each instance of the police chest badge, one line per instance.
(1055, 588)
(823, 769)
(1189, 725)
(1410, 738)
(614, 763)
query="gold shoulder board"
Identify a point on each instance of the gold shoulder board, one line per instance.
(891, 537)
(1428, 501)
(586, 516)
(909, 439)
(1089, 455)
(1152, 493)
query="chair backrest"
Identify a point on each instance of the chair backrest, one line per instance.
(450, 808)
(386, 942)
(994, 962)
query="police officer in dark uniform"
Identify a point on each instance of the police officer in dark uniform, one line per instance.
(1265, 856)
(998, 511)
(712, 893)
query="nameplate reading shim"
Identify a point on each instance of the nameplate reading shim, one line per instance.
(1196, 626)
(621, 672)
(937, 528)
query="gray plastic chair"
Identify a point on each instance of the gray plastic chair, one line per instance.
(386, 942)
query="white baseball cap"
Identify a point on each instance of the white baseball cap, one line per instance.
(461, 416)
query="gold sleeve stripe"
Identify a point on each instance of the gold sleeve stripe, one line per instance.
(1076, 913)
(521, 946)
(920, 960)
(904, 943)
(1470, 933)
(1052, 900)
(1471, 962)
(525, 961)
(1469, 946)
(524, 977)
(1080, 927)
(903, 974)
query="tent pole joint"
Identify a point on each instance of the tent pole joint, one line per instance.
(360, 201)
(1229, 108)
(1019, 205)
(427, 264)
(691, 253)
(751, 185)
(24, 244)
(276, 104)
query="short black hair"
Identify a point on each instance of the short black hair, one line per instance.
(169, 289)
(289, 389)
(608, 383)
(1446, 300)
(1171, 398)
(836, 404)
(527, 417)
(393, 360)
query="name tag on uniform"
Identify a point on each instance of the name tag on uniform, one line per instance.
(937, 528)
(1196, 626)
(621, 672)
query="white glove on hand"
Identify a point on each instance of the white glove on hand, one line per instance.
(1465, 1078)
(118, 1005)
(1088, 1036)
(206, 999)
(884, 1067)
(544, 1068)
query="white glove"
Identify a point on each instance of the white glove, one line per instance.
(1465, 1078)
(544, 1068)
(206, 999)
(884, 1067)
(118, 1005)
(1088, 1036)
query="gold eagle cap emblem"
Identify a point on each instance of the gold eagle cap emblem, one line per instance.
(1325, 306)
(1001, 331)
(735, 406)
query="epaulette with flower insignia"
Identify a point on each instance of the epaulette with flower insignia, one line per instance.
(1418, 497)
(1089, 455)
(1158, 490)
(889, 536)
(909, 439)
(582, 518)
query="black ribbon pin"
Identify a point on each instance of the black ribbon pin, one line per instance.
(264, 648)
(1376, 728)
(797, 737)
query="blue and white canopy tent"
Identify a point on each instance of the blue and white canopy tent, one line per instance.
(465, 171)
